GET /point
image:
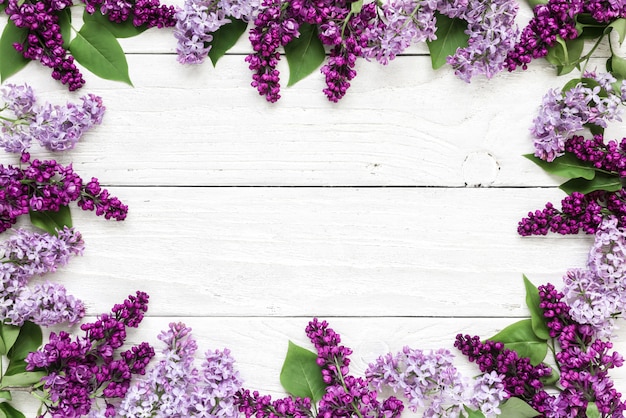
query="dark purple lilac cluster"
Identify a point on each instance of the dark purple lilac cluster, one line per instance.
(556, 19)
(609, 156)
(346, 395)
(83, 369)
(278, 23)
(262, 406)
(44, 41)
(521, 379)
(583, 361)
(47, 186)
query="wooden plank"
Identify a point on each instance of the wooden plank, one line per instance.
(320, 251)
(258, 345)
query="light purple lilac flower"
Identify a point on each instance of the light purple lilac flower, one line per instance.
(55, 127)
(562, 114)
(198, 19)
(174, 387)
(431, 383)
(26, 254)
(492, 35)
(596, 295)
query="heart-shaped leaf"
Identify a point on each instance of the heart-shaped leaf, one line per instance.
(300, 375)
(566, 165)
(99, 51)
(65, 23)
(52, 221)
(10, 412)
(521, 338)
(450, 36)
(516, 408)
(11, 61)
(8, 336)
(304, 54)
(225, 37)
(29, 340)
(602, 181)
(538, 321)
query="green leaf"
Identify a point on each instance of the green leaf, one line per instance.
(29, 340)
(300, 375)
(617, 66)
(536, 313)
(99, 51)
(533, 3)
(225, 37)
(566, 165)
(10, 412)
(22, 379)
(471, 413)
(602, 181)
(8, 336)
(521, 338)
(16, 366)
(5, 394)
(450, 36)
(619, 25)
(125, 29)
(51, 221)
(11, 61)
(551, 379)
(592, 410)
(565, 54)
(516, 408)
(356, 6)
(304, 54)
(65, 22)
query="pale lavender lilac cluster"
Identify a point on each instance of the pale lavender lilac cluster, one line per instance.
(431, 383)
(492, 35)
(41, 186)
(563, 113)
(84, 370)
(597, 295)
(175, 387)
(55, 127)
(26, 254)
(198, 19)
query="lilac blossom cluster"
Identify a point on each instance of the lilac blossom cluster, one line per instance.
(429, 380)
(262, 406)
(492, 35)
(26, 254)
(561, 114)
(606, 156)
(79, 371)
(55, 127)
(41, 186)
(175, 387)
(584, 362)
(141, 13)
(44, 42)
(198, 19)
(597, 294)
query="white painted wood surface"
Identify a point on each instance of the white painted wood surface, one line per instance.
(392, 214)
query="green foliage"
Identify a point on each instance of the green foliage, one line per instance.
(11, 61)
(9, 411)
(99, 51)
(124, 29)
(516, 408)
(471, 413)
(450, 36)
(29, 339)
(536, 313)
(565, 55)
(356, 6)
(619, 25)
(601, 181)
(304, 54)
(566, 165)
(616, 65)
(300, 375)
(65, 23)
(225, 37)
(8, 337)
(533, 3)
(552, 379)
(592, 410)
(51, 221)
(521, 338)
(23, 379)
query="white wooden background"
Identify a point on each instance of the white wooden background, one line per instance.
(392, 214)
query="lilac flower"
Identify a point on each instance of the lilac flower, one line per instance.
(254, 404)
(57, 128)
(46, 304)
(174, 387)
(88, 368)
(562, 114)
(429, 380)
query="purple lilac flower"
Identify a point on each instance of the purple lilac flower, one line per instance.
(562, 114)
(492, 35)
(261, 406)
(82, 370)
(345, 395)
(429, 380)
(57, 128)
(198, 19)
(174, 387)
(148, 13)
(26, 254)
